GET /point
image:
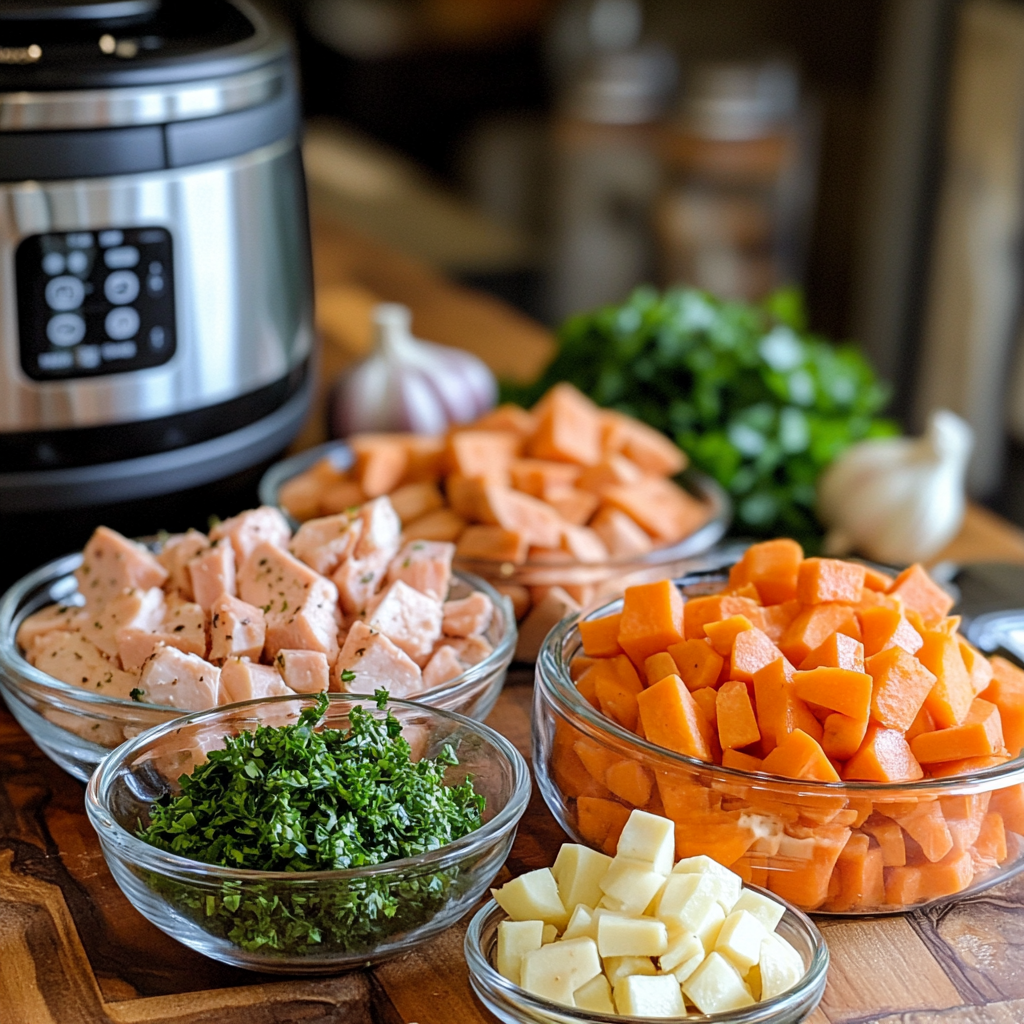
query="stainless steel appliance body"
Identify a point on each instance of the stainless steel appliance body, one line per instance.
(155, 285)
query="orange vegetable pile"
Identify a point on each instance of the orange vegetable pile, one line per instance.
(812, 669)
(561, 484)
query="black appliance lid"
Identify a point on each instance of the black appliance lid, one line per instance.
(57, 45)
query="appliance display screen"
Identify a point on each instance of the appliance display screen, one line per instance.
(92, 303)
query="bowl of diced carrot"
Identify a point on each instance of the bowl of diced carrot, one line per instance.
(818, 726)
(555, 506)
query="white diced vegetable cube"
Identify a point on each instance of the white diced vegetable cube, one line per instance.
(649, 838)
(781, 966)
(632, 883)
(623, 936)
(618, 967)
(739, 940)
(681, 946)
(555, 971)
(515, 940)
(581, 924)
(550, 934)
(578, 870)
(532, 897)
(707, 931)
(595, 996)
(716, 986)
(683, 971)
(768, 911)
(686, 901)
(729, 884)
(643, 996)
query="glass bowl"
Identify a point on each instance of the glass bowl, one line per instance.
(586, 582)
(227, 914)
(513, 1005)
(785, 835)
(76, 728)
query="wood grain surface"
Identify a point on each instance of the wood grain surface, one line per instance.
(73, 951)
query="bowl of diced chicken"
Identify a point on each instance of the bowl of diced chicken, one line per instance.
(97, 646)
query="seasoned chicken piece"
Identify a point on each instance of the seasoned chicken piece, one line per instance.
(381, 530)
(72, 659)
(369, 661)
(442, 667)
(237, 629)
(175, 553)
(304, 671)
(112, 563)
(179, 680)
(470, 650)
(425, 565)
(212, 574)
(53, 617)
(469, 616)
(133, 609)
(359, 579)
(324, 543)
(242, 680)
(246, 531)
(409, 619)
(299, 604)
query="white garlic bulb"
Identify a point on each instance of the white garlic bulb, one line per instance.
(410, 385)
(901, 499)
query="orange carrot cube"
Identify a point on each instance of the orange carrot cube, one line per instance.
(901, 685)
(799, 756)
(920, 592)
(737, 725)
(652, 619)
(698, 663)
(837, 689)
(814, 625)
(722, 634)
(751, 651)
(659, 665)
(699, 611)
(740, 761)
(1006, 691)
(842, 735)
(672, 719)
(600, 637)
(884, 756)
(890, 839)
(950, 698)
(772, 566)
(779, 710)
(980, 734)
(838, 651)
(886, 627)
(991, 842)
(616, 686)
(821, 580)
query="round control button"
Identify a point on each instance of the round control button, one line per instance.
(65, 329)
(122, 256)
(53, 263)
(157, 337)
(78, 262)
(122, 323)
(155, 285)
(64, 293)
(121, 287)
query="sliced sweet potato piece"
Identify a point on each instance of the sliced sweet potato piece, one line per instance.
(1006, 691)
(484, 454)
(901, 685)
(699, 611)
(861, 881)
(600, 636)
(751, 652)
(886, 627)
(772, 566)
(739, 760)
(381, 461)
(799, 756)
(698, 663)
(950, 698)
(925, 823)
(622, 536)
(440, 525)
(890, 840)
(802, 869)
(979, 668)
(838, 651)
(672, 719)
(630, 781)
(1009, 802)
(842, 736)
(814, 625)
(652, 619)
(979, 735)
(779, 710)
(884, 756)
(721, 635)
(493, 543)
(568, 429)
(837, 689)
(991, 841)
(875, 579)
(616, 686)
(661, 507)
(737, 724)
(821, 580)
(541, 477)
(921, 593)
(777, 618)
(574, 506)
(647, 447)
(659, 665)
(601, 822)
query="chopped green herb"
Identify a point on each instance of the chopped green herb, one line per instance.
(347, 675)
(137, 694)
(294, 798)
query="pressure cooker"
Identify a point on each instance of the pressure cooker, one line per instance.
(155, 284)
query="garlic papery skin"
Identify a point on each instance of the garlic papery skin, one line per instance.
(410, 385)
(898, 500)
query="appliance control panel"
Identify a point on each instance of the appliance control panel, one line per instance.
(92, 303)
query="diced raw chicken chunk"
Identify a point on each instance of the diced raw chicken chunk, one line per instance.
(212, 574)
(469, 616)
(304, 671)
(324, 543)
(112, 563)
(425, 565)
(175, 554)
(369, 661)
(242, 680)
(381, 529)
(237, 629)
(183, 628)
(442, 667)
(179, 680)
(72, 659)
(134, 609)
(358, 579)
(470, 650)
(409, 619)
(53, 617)
(246, 531)
(299, 604)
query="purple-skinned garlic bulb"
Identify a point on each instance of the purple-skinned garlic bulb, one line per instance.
(410, 385)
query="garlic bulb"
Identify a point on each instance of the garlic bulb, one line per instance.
(410, 385)
(898, 500)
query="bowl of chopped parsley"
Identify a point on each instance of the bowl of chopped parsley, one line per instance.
(308, 834)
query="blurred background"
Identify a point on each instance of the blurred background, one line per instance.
(557, 153)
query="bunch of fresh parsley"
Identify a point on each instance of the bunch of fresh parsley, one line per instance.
(295, 798)
(743, 389)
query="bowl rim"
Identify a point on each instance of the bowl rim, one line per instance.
(553, 676)
(700, 484)
(480, 968)
(13, 663)
(145, 855)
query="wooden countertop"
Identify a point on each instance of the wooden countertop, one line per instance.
(72, 950)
